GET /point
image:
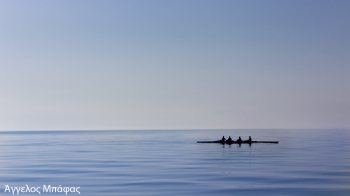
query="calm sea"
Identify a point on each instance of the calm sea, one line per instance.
(305, 162)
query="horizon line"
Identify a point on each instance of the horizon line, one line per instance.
(168, 129)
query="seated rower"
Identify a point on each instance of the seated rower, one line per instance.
(249, 140)
(229, 140)
(239, 139)
(223, 140)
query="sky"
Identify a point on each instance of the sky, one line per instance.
(184, 64)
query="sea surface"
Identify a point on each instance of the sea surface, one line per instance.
(305, 162)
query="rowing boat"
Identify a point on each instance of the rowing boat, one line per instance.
(235, 142)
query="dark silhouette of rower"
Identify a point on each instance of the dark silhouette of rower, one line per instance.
(239, 140)
(249, 141)
(229, 140)
(223, 139)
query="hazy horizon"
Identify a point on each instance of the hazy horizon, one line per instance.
(136, 65)
(184, 129)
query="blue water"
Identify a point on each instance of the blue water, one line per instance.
(305, 162)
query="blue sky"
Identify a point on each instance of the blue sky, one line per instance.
(174, 64)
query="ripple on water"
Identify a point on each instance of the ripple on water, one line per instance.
(147, 163)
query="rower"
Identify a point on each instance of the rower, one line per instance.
(250, 139)
(223, 140)
(239, 139)
(229, 140)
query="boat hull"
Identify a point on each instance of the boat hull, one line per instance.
(235, 142)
